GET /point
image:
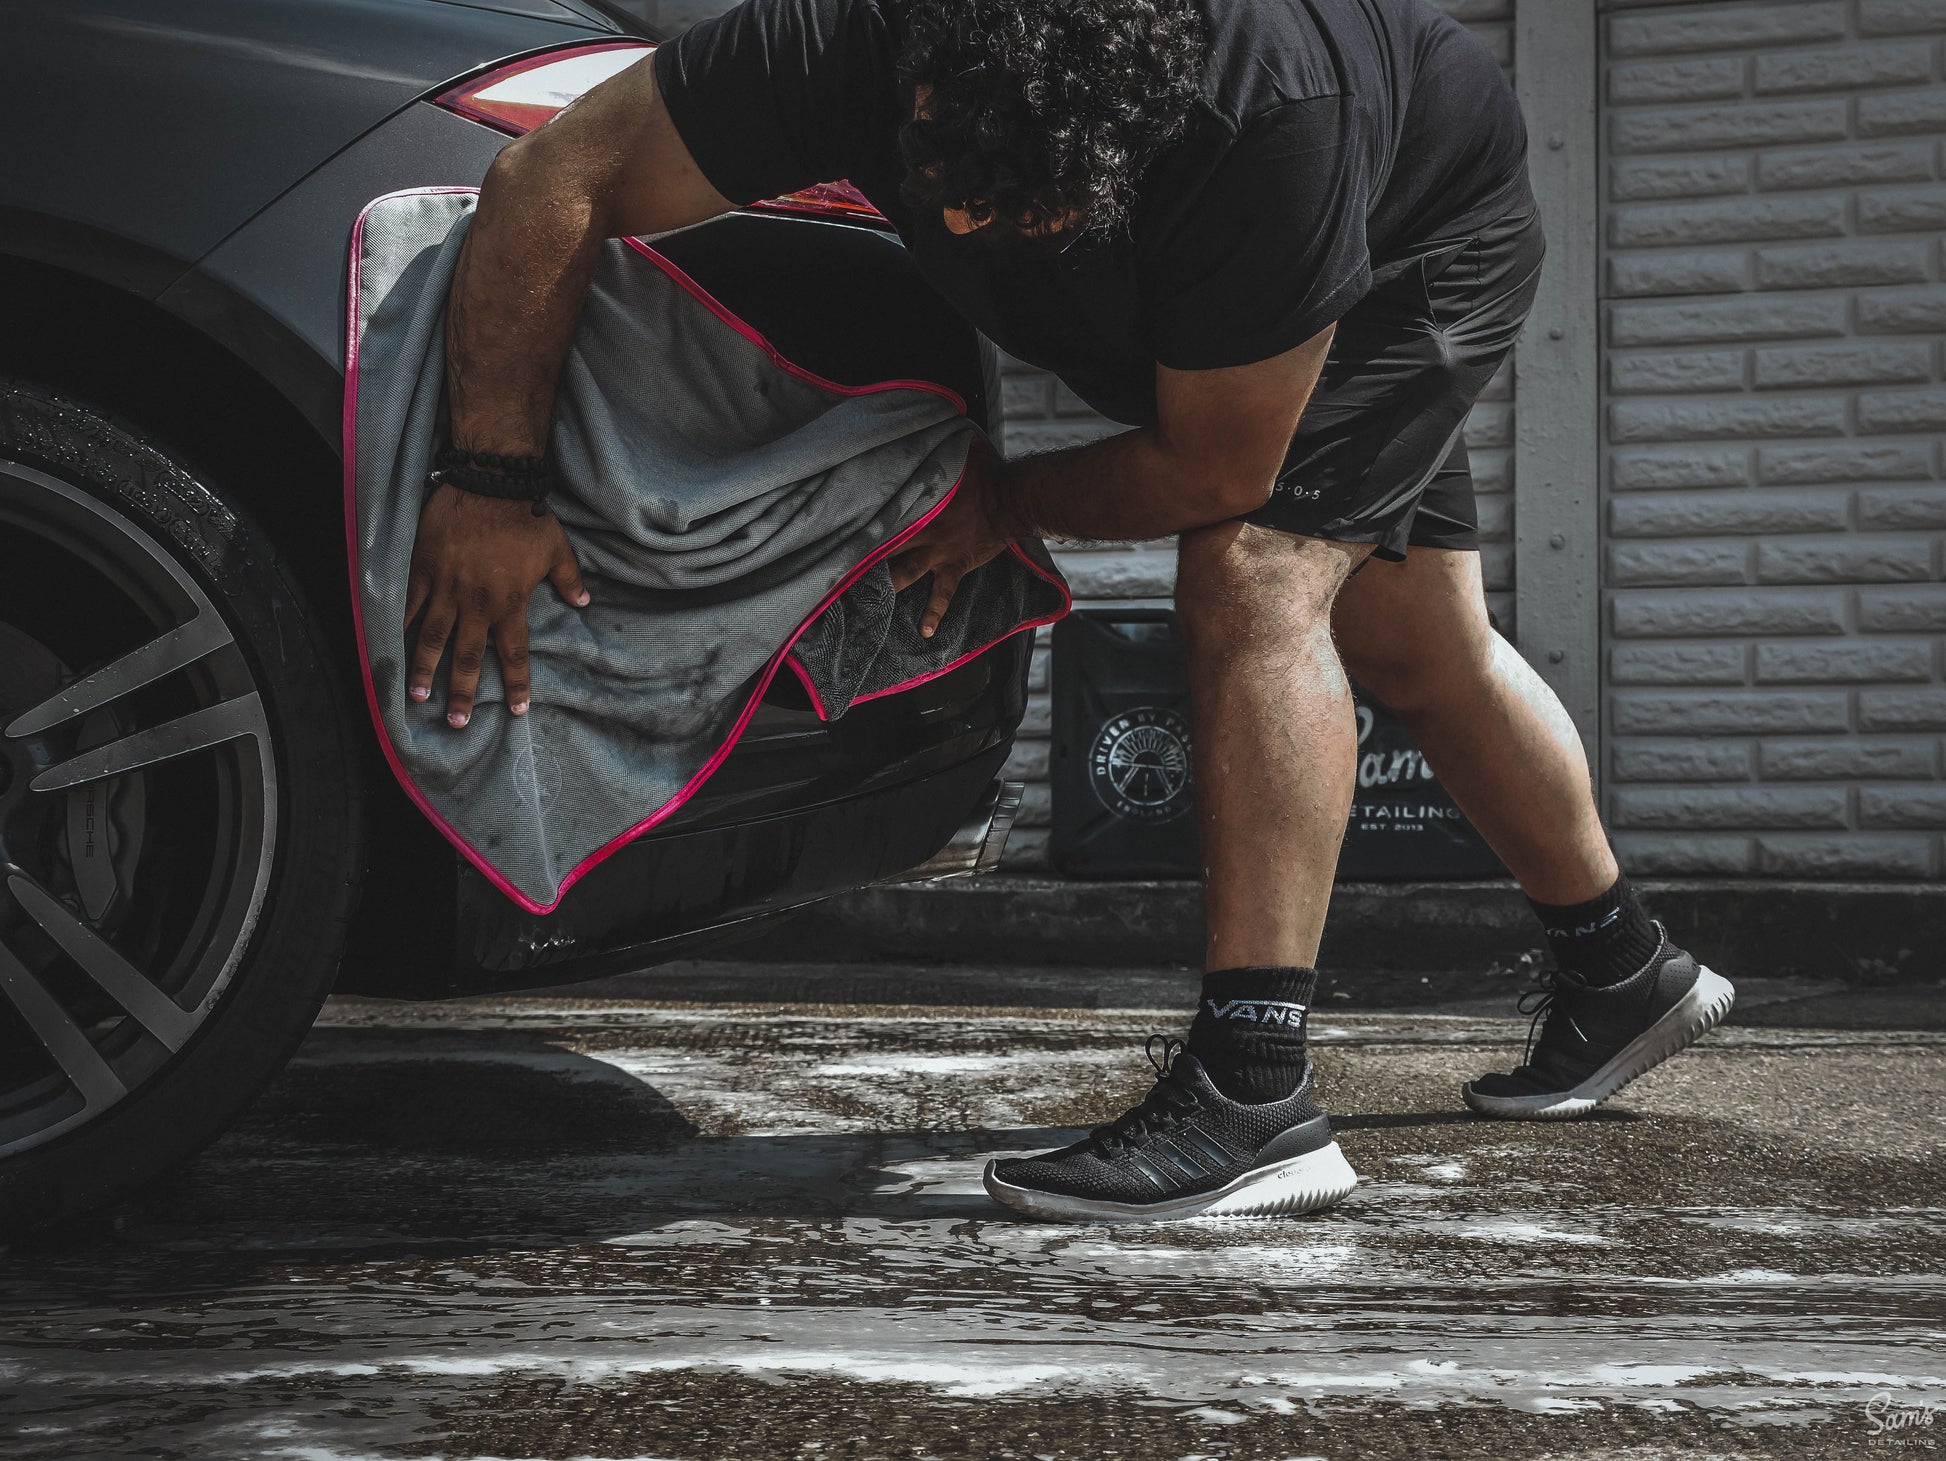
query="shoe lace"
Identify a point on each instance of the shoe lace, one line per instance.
(1168, 1101)
(1541, 1002)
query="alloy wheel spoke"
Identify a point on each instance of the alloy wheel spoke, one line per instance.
(83, 1016)
(164, 655)
(197, 731)
(120, 980)
(62, 1038)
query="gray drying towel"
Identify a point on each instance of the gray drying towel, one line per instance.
(731, 512)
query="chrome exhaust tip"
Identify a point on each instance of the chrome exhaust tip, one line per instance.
(978, 845)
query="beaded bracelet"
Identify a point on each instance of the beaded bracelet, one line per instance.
(488, 474)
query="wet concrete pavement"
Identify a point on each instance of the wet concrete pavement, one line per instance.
(625, 1223)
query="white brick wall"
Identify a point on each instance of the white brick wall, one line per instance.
(1043, 414)
(1774, 403)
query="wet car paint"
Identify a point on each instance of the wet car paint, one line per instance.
(634, 1224)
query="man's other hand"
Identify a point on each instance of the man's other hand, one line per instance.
(963, 536)
(476, 562)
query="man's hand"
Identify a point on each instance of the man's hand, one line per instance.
(475, 563)
(965, 535)
(610, 166)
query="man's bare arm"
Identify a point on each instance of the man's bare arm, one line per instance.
(609, 166)
(1218, 442)
(1215, 450)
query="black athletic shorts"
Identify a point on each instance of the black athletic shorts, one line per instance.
(1379, 456)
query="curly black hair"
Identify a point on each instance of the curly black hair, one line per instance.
(1044, 112)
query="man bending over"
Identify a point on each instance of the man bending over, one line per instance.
(1286, 242)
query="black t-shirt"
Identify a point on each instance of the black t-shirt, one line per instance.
(1332, 138)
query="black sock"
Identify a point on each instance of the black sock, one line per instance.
(1249, 1030)
(1603, 940)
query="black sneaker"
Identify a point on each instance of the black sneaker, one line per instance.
(1595, 1040)
(1186, 1151)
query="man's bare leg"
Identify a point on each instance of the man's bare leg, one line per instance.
(1275, 739)
(1416, 635)
(1232, 1126)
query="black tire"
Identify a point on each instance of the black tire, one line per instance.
(279, 956)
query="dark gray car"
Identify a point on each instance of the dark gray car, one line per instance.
(195, 828)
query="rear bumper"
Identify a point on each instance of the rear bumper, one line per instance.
(978, 845)
(668, 896)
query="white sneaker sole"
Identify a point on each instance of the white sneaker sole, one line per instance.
(1301, 1184)
(1694, 1015)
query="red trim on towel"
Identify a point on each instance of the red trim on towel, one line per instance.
(750, 333)
(804, 679)
(769, 672)
(1067, 603)
(350, 449)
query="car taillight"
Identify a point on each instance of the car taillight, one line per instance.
(831, 200)
(519, 96)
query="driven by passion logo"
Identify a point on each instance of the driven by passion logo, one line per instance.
(1139, 764)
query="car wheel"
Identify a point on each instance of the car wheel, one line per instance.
(179, 810)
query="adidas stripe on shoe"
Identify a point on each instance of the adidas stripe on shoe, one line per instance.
(1593, 1040)
(1186, 1151)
